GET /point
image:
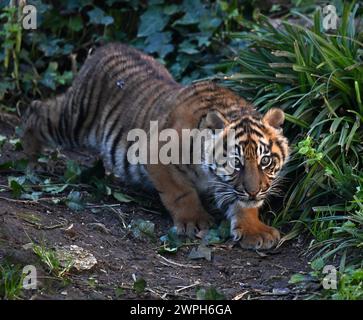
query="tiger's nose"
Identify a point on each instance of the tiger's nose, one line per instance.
(253, 193)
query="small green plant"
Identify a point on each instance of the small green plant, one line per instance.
(139, 285)
(11, 32)
(50, 259)
(349, 282)
(209, 294)
(11, 281)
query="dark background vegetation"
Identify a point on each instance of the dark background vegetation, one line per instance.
(275, 53)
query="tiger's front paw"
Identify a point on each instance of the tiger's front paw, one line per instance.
(191, 224)
(259, 236)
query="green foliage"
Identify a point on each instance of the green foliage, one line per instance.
(36, 64)
(11, 281)
(316, 77)
(170, 242)
(142, 228)
(349, 284)
(181, 35)
(209, 294)
(139, 285)
(50, 259)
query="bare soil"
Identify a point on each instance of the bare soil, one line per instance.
(233, 271)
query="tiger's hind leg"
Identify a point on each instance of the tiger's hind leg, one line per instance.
(37, 125)
(31, 143)
(181, 199)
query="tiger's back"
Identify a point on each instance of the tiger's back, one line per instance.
(117, 89)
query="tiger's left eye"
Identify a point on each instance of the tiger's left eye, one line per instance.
(265, 161)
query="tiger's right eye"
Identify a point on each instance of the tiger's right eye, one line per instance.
(237, 163)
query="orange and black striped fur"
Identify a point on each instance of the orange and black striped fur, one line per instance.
(119, 89)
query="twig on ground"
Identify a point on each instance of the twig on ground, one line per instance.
(179, 264)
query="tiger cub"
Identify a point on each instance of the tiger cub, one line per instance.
(119, 89)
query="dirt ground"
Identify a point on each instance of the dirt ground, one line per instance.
(233, 271)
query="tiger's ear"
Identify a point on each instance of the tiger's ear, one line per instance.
(274, 117)
(213, 120)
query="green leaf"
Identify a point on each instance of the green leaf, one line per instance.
(75, 23)
(188, 47)
(201, 252)
(210, 294)
(171, 242)
(160, 43)
(318, 264)
(15, 184)
(122, 197)
(2, 140)
(74, 201)
(152, 21)
(140, 286)
(55, 189)
(73, 171)
(141, 228)
(119, 292)
(297, 278)
(98, 16)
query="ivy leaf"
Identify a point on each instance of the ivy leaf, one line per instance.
(15, 184)
(55, 189)
(297, 278)
(122, 197)
(171, 9)
(73, 171)
(208, 24)
(139, 285)
(32, 196)
(188, 19)
(140, 228)
(5, 86)
(50, 75)
(202, 252)
(159, 43)
(209, 294)
(152, 21)
(98, 16)
(188, 47)
(2, 140)
(171, 242)
(75, 23)
(74, 201)
(318, 264)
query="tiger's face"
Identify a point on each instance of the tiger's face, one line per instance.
(259, 154)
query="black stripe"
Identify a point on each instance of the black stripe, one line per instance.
(279, 145)
(82, 108)
(126, 162)
(249, 132)
(87, 92)
(114, 107)
(182, 196)
(115, 143)
(274, 154)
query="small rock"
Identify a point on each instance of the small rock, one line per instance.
(280, 291)
(80, 258)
